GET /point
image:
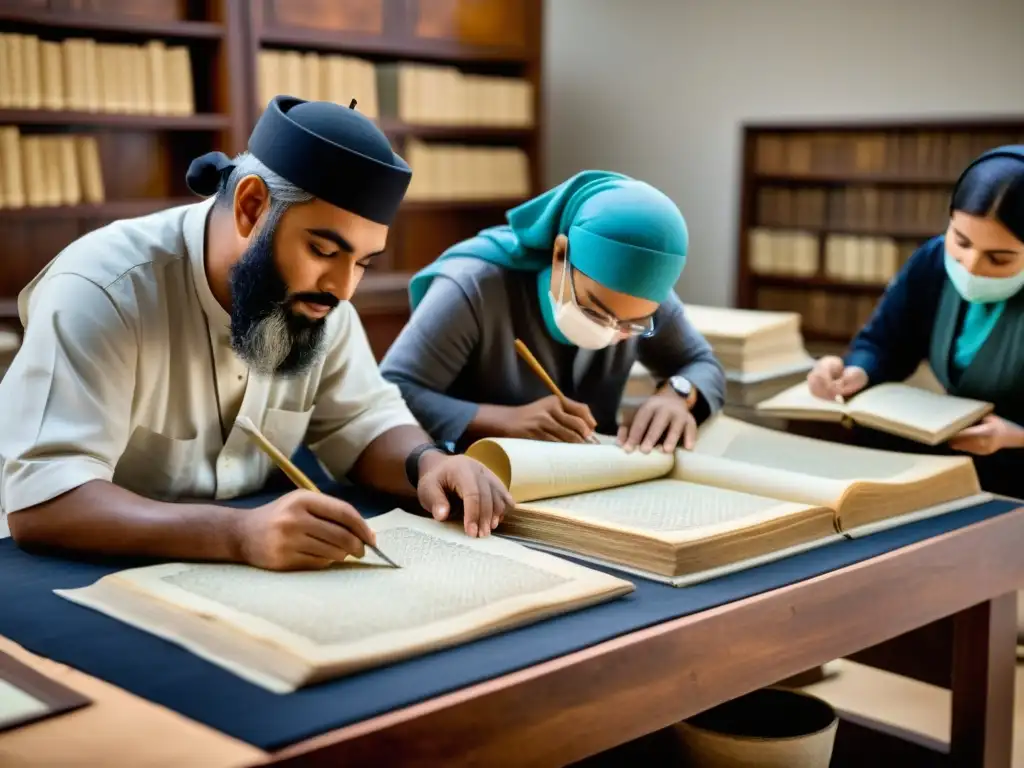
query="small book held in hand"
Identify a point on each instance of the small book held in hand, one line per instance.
(917, 414)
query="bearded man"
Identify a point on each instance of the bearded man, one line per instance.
(146, 340)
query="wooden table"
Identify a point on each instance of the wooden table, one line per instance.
(576, 706)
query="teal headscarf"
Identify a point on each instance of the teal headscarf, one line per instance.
(623, 234)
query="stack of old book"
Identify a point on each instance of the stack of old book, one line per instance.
(762, 353)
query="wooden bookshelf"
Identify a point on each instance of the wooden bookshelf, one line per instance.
(489, 38)
(114, 120)
(51, 17)
(143, 145)
(144, 155)
(829, 212)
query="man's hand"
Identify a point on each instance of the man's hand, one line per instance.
(485, 500)
(991, 434)
(549, 419)
(302, 530)
(665, 418)
(830, 378)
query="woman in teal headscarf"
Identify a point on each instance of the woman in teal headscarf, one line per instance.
(958, 304)
(584, 275)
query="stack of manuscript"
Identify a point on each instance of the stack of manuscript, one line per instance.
(743, 495)
(749, 341)
(762, 353)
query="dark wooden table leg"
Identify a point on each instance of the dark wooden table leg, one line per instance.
(984, 660)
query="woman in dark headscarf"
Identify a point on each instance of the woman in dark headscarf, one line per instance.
(958, 304)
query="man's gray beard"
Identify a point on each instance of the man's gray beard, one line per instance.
(267, 343)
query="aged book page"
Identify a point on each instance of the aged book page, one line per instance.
(798, 402)
(669, 527)
(740, 324)
(17, 705)
(534, 469)
(916, 413)
(734, 454)
(286, 630)
(673, 511)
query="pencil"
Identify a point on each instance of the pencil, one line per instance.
(527, 355)
(295, 474)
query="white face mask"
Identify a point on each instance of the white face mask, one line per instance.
(576, 326)
(979, 289)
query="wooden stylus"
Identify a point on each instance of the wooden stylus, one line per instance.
(527, 355)
(295, 474)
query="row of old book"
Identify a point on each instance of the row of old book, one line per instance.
(48, 170)
(861, 208)
(82, 75)
(835, 315)
(939, 155)
(847, 258)
(413, 93)
(443, 171)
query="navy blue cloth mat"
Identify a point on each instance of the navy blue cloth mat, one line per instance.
(31, 615)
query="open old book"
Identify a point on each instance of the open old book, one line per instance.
(899, 409)
(287, 630)
(744, 495)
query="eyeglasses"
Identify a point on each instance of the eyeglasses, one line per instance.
(642, 328)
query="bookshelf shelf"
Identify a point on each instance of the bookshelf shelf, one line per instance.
(8, 309)
(896, 233)
(840, 179)
(114, 209)
(819, 282)
(197, 122)
(444, 205)
(830, 212)
(830, 337)
(360, 44)
(97, 22)
(457, 132)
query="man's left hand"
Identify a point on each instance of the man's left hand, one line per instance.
(485, 500)
(989, 435)
(664, 418)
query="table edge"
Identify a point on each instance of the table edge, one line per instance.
(438, 710)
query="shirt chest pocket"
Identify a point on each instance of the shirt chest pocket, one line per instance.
(286, 429)
(158, 466)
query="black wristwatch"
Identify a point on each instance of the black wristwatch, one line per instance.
(412, 461)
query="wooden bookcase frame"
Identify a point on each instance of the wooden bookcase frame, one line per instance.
(225, 37)
(944, 157)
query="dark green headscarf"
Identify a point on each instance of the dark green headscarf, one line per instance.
(623, 234)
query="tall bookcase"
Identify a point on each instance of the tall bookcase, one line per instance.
(482, 159)
(830, 212)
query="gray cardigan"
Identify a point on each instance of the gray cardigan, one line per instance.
(458, 351)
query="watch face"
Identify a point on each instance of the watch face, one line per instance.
(681, 385)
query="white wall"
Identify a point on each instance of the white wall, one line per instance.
(658, 89)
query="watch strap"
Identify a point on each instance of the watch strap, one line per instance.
(412, 461)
